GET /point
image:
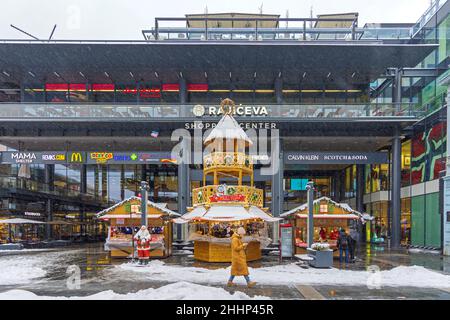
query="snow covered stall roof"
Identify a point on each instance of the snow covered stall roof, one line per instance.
(159, 206)
(343, 206)
(225, 213)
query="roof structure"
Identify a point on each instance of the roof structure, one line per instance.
(228, 129)
(226, 213)
(159, 206)
(304, 206)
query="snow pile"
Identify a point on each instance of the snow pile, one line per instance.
(24, 268)
(176, 291)
(19, 270)
(413, 276)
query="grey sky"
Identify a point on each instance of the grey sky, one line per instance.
(124, 19)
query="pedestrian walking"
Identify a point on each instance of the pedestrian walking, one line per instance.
(353, 244)
(342, 244)
(239, 259)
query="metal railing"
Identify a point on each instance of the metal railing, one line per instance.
(300, 29)
(426, 16)
(173, 111)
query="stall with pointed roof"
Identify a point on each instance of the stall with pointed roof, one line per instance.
(220, 208)
(124, 220)
(329, 218)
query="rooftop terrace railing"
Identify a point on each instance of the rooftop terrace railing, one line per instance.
(174, 111)
(300, 29)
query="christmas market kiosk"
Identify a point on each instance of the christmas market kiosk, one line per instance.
(329, 217)
(124, 220)
(227, 200)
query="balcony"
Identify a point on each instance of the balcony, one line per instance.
(182, 112)
(227, 161)
(234, 195)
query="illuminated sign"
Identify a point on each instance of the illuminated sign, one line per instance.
(144, 92)
(54, 157)
(101, 157)
(76, 157)
(239, 110)
(23, 157)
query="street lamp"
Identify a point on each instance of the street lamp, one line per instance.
(144, 199)
(310, 222)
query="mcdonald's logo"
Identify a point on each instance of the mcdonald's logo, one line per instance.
(76, 157)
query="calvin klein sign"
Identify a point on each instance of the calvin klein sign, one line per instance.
(298, 157)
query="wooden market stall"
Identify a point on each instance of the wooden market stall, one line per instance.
(329, 218)
(224, 202)
(124, 220)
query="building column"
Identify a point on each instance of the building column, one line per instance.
(83, 190)
(279, 90)
(360, 187)
(396, 168)
(277, 178)
(49, 170)
(397, 89)
(183, 96)
(446, 188)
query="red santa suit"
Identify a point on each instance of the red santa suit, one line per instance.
(143, 248)
(143, 238)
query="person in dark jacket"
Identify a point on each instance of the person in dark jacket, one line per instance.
(342, 243)
(353, 241)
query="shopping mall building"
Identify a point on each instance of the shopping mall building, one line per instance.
(359, 109)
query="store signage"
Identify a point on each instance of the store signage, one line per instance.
(53, 157)
(298, 157)
(240, 110)
(32, 214)
(82, 157)
(23, 157)
(101, 157)
(244, 125)
(77, 157)
(144, 92)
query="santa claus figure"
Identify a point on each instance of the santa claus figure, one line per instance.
(142, 238)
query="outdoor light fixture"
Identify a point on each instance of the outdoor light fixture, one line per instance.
(230, 74)
(6, 73)
(106, 74)
(31, 74)
(329, 74)
(353, 74)
(156, 74)
(81, 74)
(206, 75)
(181, 74)
(304, 75)
(279, 74)
(56, 74)
(254, 75)
(131, 74)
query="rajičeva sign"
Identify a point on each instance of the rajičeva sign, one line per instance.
(298, 157)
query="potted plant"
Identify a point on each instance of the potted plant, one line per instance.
(322, 254)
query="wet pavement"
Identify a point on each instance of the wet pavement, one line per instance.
(95, 266)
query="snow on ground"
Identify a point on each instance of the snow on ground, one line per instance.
(175, 291)
(24, 268)
(405, 276)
